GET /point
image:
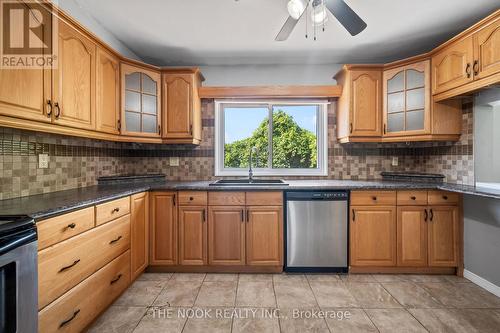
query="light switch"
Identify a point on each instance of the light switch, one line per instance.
(174, 161)
(395, 161)
(43, 161)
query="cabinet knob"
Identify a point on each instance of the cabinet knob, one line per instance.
(49, 108)
(467, 70)
(191, 198)
(374, 198)
(475, 67)
(413, 198)
(445, 197)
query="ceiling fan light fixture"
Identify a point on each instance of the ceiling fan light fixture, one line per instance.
(319, 15)
(296, 8)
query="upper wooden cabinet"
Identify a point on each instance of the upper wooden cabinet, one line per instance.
(452, 66)
(468, 62)
(407, 102)
(141, 108)
(359, 116)
(108, 92)
(73, 91)
(182, 106)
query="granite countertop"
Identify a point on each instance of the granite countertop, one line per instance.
(47, 205)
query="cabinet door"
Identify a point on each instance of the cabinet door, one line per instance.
(412, 236)
(25, 93)
(365, 113)
(108, 93)
(373, 236)
(406, 100)
(139, 233)
(226, 235)
(141, 114)
(192, 235)
(74, 79)
(264, 235)
(443, 236)
(487, 50)
(163, 231)
(452, 66)
(178, 106)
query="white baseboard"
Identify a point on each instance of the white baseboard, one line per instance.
(483, 283)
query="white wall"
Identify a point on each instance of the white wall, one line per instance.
(81, 15)
(254, 75)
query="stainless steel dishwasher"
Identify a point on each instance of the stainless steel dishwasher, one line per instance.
(316, 231)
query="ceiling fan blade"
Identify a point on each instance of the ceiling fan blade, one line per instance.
(346, 16)
(286, 30)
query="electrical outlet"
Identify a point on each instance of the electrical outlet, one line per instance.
(395, 161)
(174, 161)
(43, 161)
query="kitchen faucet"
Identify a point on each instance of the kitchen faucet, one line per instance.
(253, 150)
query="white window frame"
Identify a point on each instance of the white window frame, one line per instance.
(322, 145)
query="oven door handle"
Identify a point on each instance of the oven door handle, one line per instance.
(10, 243)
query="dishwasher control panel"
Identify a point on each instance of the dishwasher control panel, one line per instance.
(317, 195)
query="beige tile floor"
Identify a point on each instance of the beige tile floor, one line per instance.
(164, 302)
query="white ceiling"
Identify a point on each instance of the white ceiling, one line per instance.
(229, 32)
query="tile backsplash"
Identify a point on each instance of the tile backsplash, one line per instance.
(78, 162)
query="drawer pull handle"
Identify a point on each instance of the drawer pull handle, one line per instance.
(432, 215)
(204, 215)
(58, 110)
(426, 215)
(115, 280)
(70, 226)
(67, 321)
(65, 268)
(467, 70)
(413, 198)
(374, 198)
(445, 197)
(353, 215)
(115, 210)
(115, 240)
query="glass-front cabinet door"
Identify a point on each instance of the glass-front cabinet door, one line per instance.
(407, 100)
(140, 101)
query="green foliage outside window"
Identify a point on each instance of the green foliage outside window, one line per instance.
(293, 146)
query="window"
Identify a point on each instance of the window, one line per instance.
(289, 138)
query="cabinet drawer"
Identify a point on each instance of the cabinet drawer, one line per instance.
(226, 198)
(411, 198)
(59, 228)
(64, 265)
(378, 198)
(193, 198)
(111, 210)
(85, 301)
(443, 198)
(264, 198)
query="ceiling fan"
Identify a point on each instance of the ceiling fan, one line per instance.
(342, 12)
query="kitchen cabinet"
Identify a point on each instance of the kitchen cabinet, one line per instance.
(264, 235)
(139, 234)
(487, 50)
(141, 108)
(182, 106)
(107, 93)
(452, 65)
(412, 236)
(373, 236)
(193, 235)
(73, 82)
(406, 99)
(359, 116)
(226, 235)
(443, 236)
(163, 229)
(26, 93)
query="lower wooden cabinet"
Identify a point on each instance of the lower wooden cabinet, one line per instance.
(139, 233)
(76, 309)
(412, 236)
(163, 230)
(264, 235)
(226, 235)
(443, 236)
(373, 236)
(193, 235)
